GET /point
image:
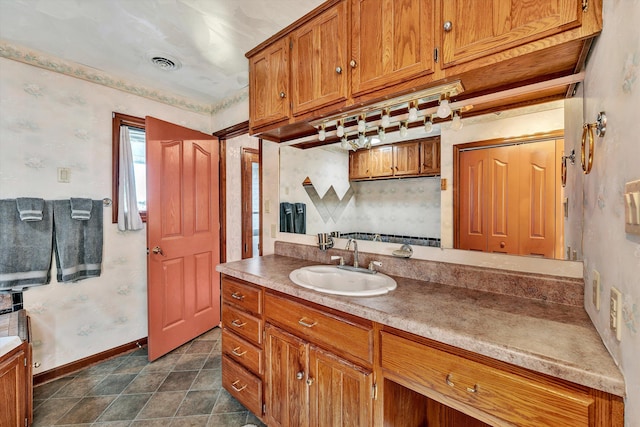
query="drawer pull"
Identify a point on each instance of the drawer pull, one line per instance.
(237, 296)
(238, 324)
(306, 323)
(236, 352)
(300, 375)
(474, 389)
(234, 385)
(449, 382)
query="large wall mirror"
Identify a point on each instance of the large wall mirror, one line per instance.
(411, 208)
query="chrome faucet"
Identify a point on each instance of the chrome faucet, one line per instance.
(355, 251)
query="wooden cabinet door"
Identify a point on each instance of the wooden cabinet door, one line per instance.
(538, 198)
(286, 374)
(502, 202)
(12, 386)
(269, 84)
(406, 159)
(392, 41)
(472, 220)
(340, 393)
(319, 60)
(359, 164)
(482, 27)
(430, 157)
(381, 161)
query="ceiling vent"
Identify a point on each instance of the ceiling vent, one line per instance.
(164, 62)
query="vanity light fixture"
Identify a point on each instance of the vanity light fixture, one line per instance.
(456, 121)
(362, 123)
(413, 111)
(385, 120)
(340, 128)
(428, 125)
(404, 128)
(322, 134)
(444, 109)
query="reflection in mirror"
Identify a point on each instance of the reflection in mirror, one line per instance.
(390, 210)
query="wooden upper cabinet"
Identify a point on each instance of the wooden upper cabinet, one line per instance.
(482, 27)
(381, 161)
(391, 41)
(319, 60)
(269, 84)
(359, 164)
(406, 159)
(430, 157)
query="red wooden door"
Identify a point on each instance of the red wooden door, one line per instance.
(182, 235)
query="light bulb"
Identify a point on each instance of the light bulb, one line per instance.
(361, 141)
(385, 120)
(362, 125)
(428, 126)
(344, 143)
(413, 112)
(456, 122)
(443, 109)
(382, 134)
(403, 129)
(367, 143)
(340, 129)
(322, 135)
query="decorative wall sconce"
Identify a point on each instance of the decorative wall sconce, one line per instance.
(572, 158)
(587, 153)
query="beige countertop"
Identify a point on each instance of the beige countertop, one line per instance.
(555, 339)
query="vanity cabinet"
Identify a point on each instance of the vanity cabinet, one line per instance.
(242, 342)
(401, 160)
(319, 64)
(311, 378)
(471, 30)
(392, 41)
(16, 375)
(269, 85)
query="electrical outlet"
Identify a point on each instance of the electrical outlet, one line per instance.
(615, 312)
(595, 290)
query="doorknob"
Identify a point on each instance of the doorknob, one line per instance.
(448, 26)
(157, 250)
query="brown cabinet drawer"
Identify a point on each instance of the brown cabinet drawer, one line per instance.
(242, 385)
(242, 295)
(491, 390)
(242, 352)
(242, 323)
(341, 335)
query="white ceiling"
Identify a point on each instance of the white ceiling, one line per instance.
(209, 37)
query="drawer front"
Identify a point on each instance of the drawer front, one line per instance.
(242, 385)
(326, 330)
(242, 295)
(502, 394)
(242, 323)
(242, 352)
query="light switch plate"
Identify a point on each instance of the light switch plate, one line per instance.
(615, 312)
(64, 175)
(596, 289)
(632, 207)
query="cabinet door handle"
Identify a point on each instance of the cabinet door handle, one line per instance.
(474, 389)
(448, 381)
(353, 63)
(309, 381)
(339, 70)
(448, 26)
(283, 95)
(237, 296)
(300, 375)
(236, 352)
(306, 323)
(238, 324)
(234, 385)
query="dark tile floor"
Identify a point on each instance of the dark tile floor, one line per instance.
(182, 388)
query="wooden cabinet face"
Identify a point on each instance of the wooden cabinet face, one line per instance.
(430, 157)
(392, 41)
(319, 60)
(12, 384)
(269, 84)
(381, 161)
(483, 27)
(359, 164)
(406, 159)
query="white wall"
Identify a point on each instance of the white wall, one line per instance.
(49, 120)
(612, 85)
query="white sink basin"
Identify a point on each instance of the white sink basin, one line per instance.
(9, 343)
(332, 280)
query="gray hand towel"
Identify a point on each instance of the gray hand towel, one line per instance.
(81, 209)
(78, 244)
(25, 247)
(30, 208)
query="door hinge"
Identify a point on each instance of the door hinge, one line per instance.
(26, 422)
(291, 44)
(147, 251)
(264, 409)
(25, 361)
(585, 5)
(374, 392)
(435, 55)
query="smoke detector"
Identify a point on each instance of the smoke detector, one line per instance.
(163, 61)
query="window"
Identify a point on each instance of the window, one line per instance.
(136, 127)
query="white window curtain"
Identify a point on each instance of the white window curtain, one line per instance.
(128, 215)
